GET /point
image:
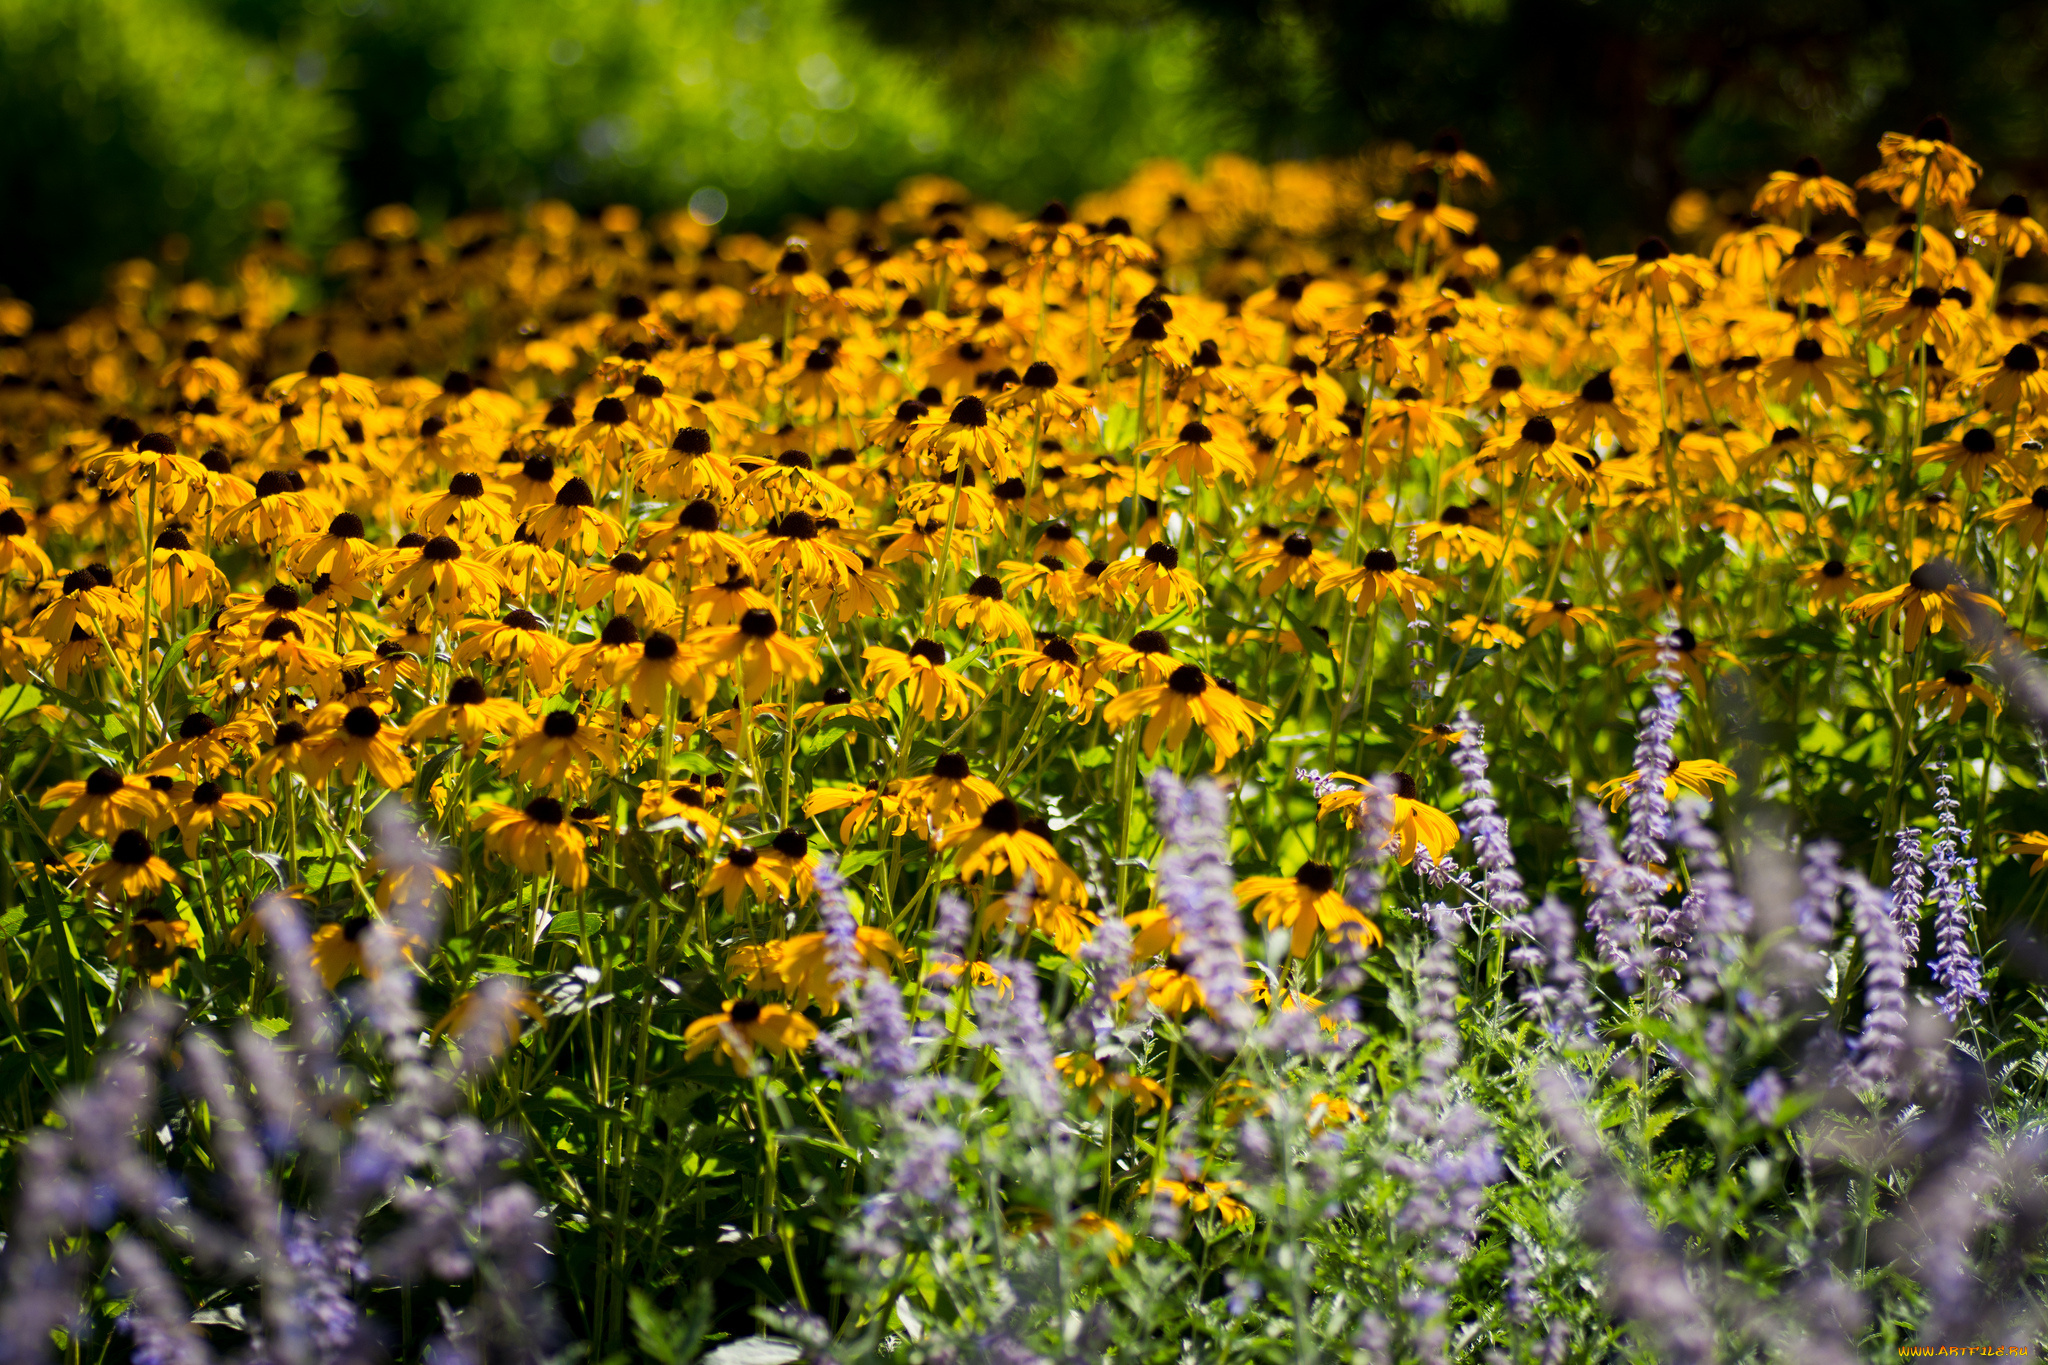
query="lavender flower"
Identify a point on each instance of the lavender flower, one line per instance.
(1196, 885)
(1616, 914)
(1764, 1095)
(1556, 991)
(1955, 898)
(1882, 1047)
(842, 933)
(159, 1324)
(1648, 810)
(1013, 1023)
(1909, 889)
(1484, 825)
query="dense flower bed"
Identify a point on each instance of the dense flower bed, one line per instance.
(934, 741)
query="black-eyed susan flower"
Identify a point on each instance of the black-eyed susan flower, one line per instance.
(755, 652)
(1698, 776)
(103, 804)
(1691, 655)
(572, 522)
(934, 689)
(520, 642)
(1803, 193)
(537, 838)
(743, 872)
(470, 715)
(1199, 1195)
(197, 808)
(356, 739)
(2032, 844)
(1933, 596)
(1187, 699)
(2026, 516)
(744, 1028)
(1484, 632)
(1305, 902)
(1566, 616)
(983, 609)
(999, 841)
(558, 754)
(1168, 988)
(1831, 580)
(1955, 689)
(131, 870)
(1378, 579)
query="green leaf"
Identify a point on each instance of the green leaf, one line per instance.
(18, 702)
(1473, 656)
(661, 1334)
(820, 741)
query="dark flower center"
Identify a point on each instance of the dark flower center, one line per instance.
(441, 550)
(744, 1011)
(574, 493)
(544, 810)
(1188, 681)
(560, 725)
(1317, 877)
(1003, 817)
(362, 722)
(660, 646)
(619, 631)
(103, 782)
(758, 623)
(198, 725)
(132, 848)
(1540, 431)
(1956, 677)
(1381, 561)
(1164, 555)
(931, 651)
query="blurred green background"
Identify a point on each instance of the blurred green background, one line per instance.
(124, 121)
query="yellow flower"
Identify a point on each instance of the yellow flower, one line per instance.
(538, 839)
(1933, 595)
(935, 690)
(131, 870)
(559, 753)
(470, 715)
(1189, 698)
(1956, 689)
(356, 739)
(1201, 1196)
(1304, 902)
(742, 1028)
(1695, 775)
(103, 804)
(755, 652)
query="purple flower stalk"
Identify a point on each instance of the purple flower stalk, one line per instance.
(1878, 1054)
(1649, 812)
(1484, 825)
(1196, 885)
(1955, 899)
(842, 932)
(1909, 888)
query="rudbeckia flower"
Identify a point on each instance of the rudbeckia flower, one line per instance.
(2033, 844)
(537, 839)
(1691, 654)
(742, 871)
(1927, 163)
(1379, 578)
(2015, 382)
(1540, 614)
(1657, 273)
(2010, 226)
(1201, 1195)
(1803, 193)
(1695, 775)
(572, 523)
(1305, 902)
(950, 789)
(2028, 516)
(439, 577)
(103, 804)
(351, 741)
(1972, 455)
(131, 870)
(1830, 580)
(1189, 698)
(1955, 688)
(196, 808)
(755, 653)
(935, 691)
(470, 715)
(1167, 988)
(983, 609)
(1933, 596)
(558, 753)
(998, 841)
(743, 1028)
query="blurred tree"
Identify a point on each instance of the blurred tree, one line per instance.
(124, 121)
(1595, 113)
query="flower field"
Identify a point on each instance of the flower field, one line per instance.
(1223, 775)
